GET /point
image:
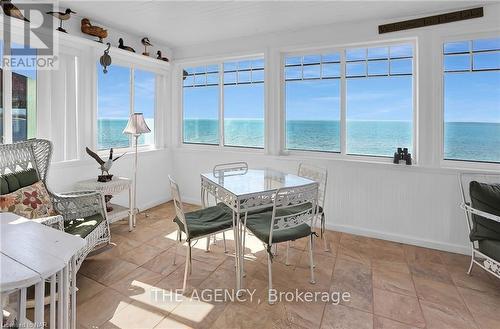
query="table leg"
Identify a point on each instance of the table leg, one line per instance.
(39, 299)
(65, 305)
(60, 303)
(52, 320)
(237, 248)
(73, 292)
(130, 210)
(22, 308)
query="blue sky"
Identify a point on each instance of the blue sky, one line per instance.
(114, 92)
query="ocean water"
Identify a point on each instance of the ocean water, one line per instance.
(463, 140)
(110, 134)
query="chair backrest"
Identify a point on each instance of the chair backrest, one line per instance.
(293, 206)
(33, 153)
(179, 209)
(230, 168)
(465, 180)
(317, 174)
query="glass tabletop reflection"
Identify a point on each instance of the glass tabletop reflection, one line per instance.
(255, 181)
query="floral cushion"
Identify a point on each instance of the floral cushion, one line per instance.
(32, 201)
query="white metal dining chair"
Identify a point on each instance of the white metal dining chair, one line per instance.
(223, 169)
(485, 251)
(319, 175)
(197, 224)
(291, 218)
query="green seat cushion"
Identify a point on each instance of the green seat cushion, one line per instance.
(490, 248)
(485, 197)
(260, 225)
(14, 181)
(83, 226)
(206, 221)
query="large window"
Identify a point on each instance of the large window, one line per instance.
(115, 104)
(377, 95)
(241, 85)
(312, 102)
(472, 100)
(379, 100)
(22, 111)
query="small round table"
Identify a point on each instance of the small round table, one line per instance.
(110, 189)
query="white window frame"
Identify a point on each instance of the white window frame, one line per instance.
(343, 155)
(219, 61)
(447, 163)
(132, 64)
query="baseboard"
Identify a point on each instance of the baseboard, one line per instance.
(384, 236)
(401, 238)
(154, 203)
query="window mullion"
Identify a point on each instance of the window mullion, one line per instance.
(343, 98)
(7, 102)
(132, 97)
(221, 105)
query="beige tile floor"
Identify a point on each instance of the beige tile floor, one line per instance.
(391, 285)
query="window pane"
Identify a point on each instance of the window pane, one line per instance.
(244, 115)
(312, 71)
(258, 76)
(486, 44)
(401, 51)
(230, 66)
(331, 70)
(456, 47)
(401, 66)
(244, 76)
(331, 58)
(293, 72)
(356, 69)
(201, 115)
(144, 102)
(24, 109)
(457, 62)
(113, 106)
(379, 115)
(313, 115)
(230, 77)
(212, 78)
(293, 60)
(378, 53)
(312, 59)
(472, 116)
(487, 61)
(356, 54)
(258, 64)
(378, 67)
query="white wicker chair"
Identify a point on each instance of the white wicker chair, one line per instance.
(487, 263)
(36, 153)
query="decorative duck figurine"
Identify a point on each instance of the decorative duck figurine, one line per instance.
(93, 30)
(105, 166)
(122, 46)
(10, 10)
(160, 57)
(61, 16)
(145, 41)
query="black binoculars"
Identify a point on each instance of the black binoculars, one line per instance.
(402, 154)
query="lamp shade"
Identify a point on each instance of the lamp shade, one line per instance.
(136, 125)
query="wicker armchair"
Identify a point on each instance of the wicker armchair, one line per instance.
(36, 153)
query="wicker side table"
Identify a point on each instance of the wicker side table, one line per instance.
(110, 189)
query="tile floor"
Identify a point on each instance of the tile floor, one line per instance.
(391, 285)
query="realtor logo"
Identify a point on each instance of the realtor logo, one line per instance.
(28, 35)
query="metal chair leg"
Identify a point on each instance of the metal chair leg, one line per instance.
(224, 240)
(471, 263)
(187, 267)
(311, 262)
(286, 254)
(208, 243)
(178, 241)
(270, 278)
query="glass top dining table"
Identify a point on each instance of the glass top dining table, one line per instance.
(244, 191)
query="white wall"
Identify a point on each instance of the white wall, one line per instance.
(417, 205)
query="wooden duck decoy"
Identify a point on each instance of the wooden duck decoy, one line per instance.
(145, 41)
(160, 57)
(93, 30)
(61, 16)
(10, 10)
(122, 46)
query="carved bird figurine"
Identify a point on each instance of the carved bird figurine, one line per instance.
(61, 16)
(122, 46)
(160, 57)
(10, 10)
(145, 41)
(93, 30)
(105, 166)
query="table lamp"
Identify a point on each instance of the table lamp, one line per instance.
(136, 126)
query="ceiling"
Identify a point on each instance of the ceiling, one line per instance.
(182, 23)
